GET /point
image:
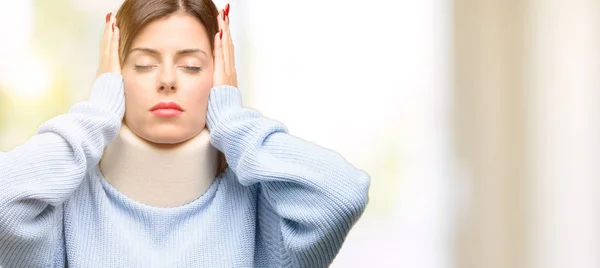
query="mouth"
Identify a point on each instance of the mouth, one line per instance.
(166, 109)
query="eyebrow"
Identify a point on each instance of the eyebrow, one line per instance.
(179, 52)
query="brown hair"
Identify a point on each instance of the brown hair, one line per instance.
(134, 15)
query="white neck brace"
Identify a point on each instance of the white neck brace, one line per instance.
(160, 175)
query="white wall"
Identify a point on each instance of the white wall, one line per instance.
(564, 44)
(369, 79)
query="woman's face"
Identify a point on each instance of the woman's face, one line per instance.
(170, 61)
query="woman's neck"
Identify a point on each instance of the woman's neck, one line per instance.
(160, 175)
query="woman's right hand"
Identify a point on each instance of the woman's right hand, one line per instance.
(109, 48)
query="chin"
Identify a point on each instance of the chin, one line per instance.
(165, 140)
(168, 138)
(167, 134)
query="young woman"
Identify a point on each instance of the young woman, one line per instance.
(135, 176)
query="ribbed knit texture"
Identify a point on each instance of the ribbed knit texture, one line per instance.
(283, 202)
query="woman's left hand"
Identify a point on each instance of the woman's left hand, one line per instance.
(225, 73)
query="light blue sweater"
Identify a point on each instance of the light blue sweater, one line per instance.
(283, 202)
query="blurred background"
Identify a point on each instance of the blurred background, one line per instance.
(479, 121)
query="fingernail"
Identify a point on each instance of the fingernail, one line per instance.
(220, 34)
(108, 16)
(227, 10)
(113, 26)
(223, 14)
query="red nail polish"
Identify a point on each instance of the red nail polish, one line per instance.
(227, 10)
(223, 14)
(108, 16)
(113, 26)
(221, 34)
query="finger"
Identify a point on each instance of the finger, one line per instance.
(227, 47)
(220, 19)
(218, 57)
(107, 24)
(221, 37)
(231, 46)
(115, 64)
(106, 36)
(226, 11)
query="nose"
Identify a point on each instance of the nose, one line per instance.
(167, 80)
(164, 87)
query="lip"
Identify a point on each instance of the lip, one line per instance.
(166, 109)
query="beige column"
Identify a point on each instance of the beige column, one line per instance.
(490, 133)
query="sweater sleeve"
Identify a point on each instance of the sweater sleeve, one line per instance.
(39, 175)
(315, 195)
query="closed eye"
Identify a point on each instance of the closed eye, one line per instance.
(144, 67)
(193, 69)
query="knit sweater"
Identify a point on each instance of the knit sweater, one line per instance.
(283, 201)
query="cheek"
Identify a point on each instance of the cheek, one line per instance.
(136, 95)
(207, 79)
(200, 95)
(199, 90)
